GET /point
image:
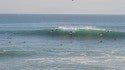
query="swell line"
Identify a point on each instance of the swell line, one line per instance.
(86, 32)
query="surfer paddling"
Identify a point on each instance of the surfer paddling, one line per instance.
(52, 30)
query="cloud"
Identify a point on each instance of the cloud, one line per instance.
(63, 6)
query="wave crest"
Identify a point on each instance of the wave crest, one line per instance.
(78, 32)
(78, 28)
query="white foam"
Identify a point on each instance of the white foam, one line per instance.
(116, 58)
(69, 60)
(80, 27)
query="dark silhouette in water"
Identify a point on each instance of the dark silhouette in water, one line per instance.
(24, 42)
(108, 31)
(56, 29)
(71, 34)
(9, 41)
(72, 0)
(101, 35)
(101, 41)
(61, 44)
(52, 30)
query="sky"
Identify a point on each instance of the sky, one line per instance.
(63, 6)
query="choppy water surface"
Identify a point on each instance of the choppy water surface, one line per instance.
(62, 42)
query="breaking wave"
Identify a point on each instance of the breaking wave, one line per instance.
(82, 32)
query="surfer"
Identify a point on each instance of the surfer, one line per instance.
(71, 33)
(72, 0)
(52, 30)
(9, 41)
(101, 41)
(56, 29)
(61, 44)
(24, 42)
(108, 31)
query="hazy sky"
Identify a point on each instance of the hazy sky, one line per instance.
(63, 6)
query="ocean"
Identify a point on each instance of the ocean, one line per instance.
(62, 42)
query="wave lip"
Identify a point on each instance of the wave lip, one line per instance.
(78, 28)
(63, 31)
(85, 32)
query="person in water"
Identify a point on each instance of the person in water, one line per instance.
(52, 30)
(24, 42)
(71, 34)
(101, 41)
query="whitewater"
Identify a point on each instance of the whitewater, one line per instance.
(62, 42)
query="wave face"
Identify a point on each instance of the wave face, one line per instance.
(14, 53)
(62, 42)
(78, 32)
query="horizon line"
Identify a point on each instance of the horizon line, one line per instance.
(61, 14)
